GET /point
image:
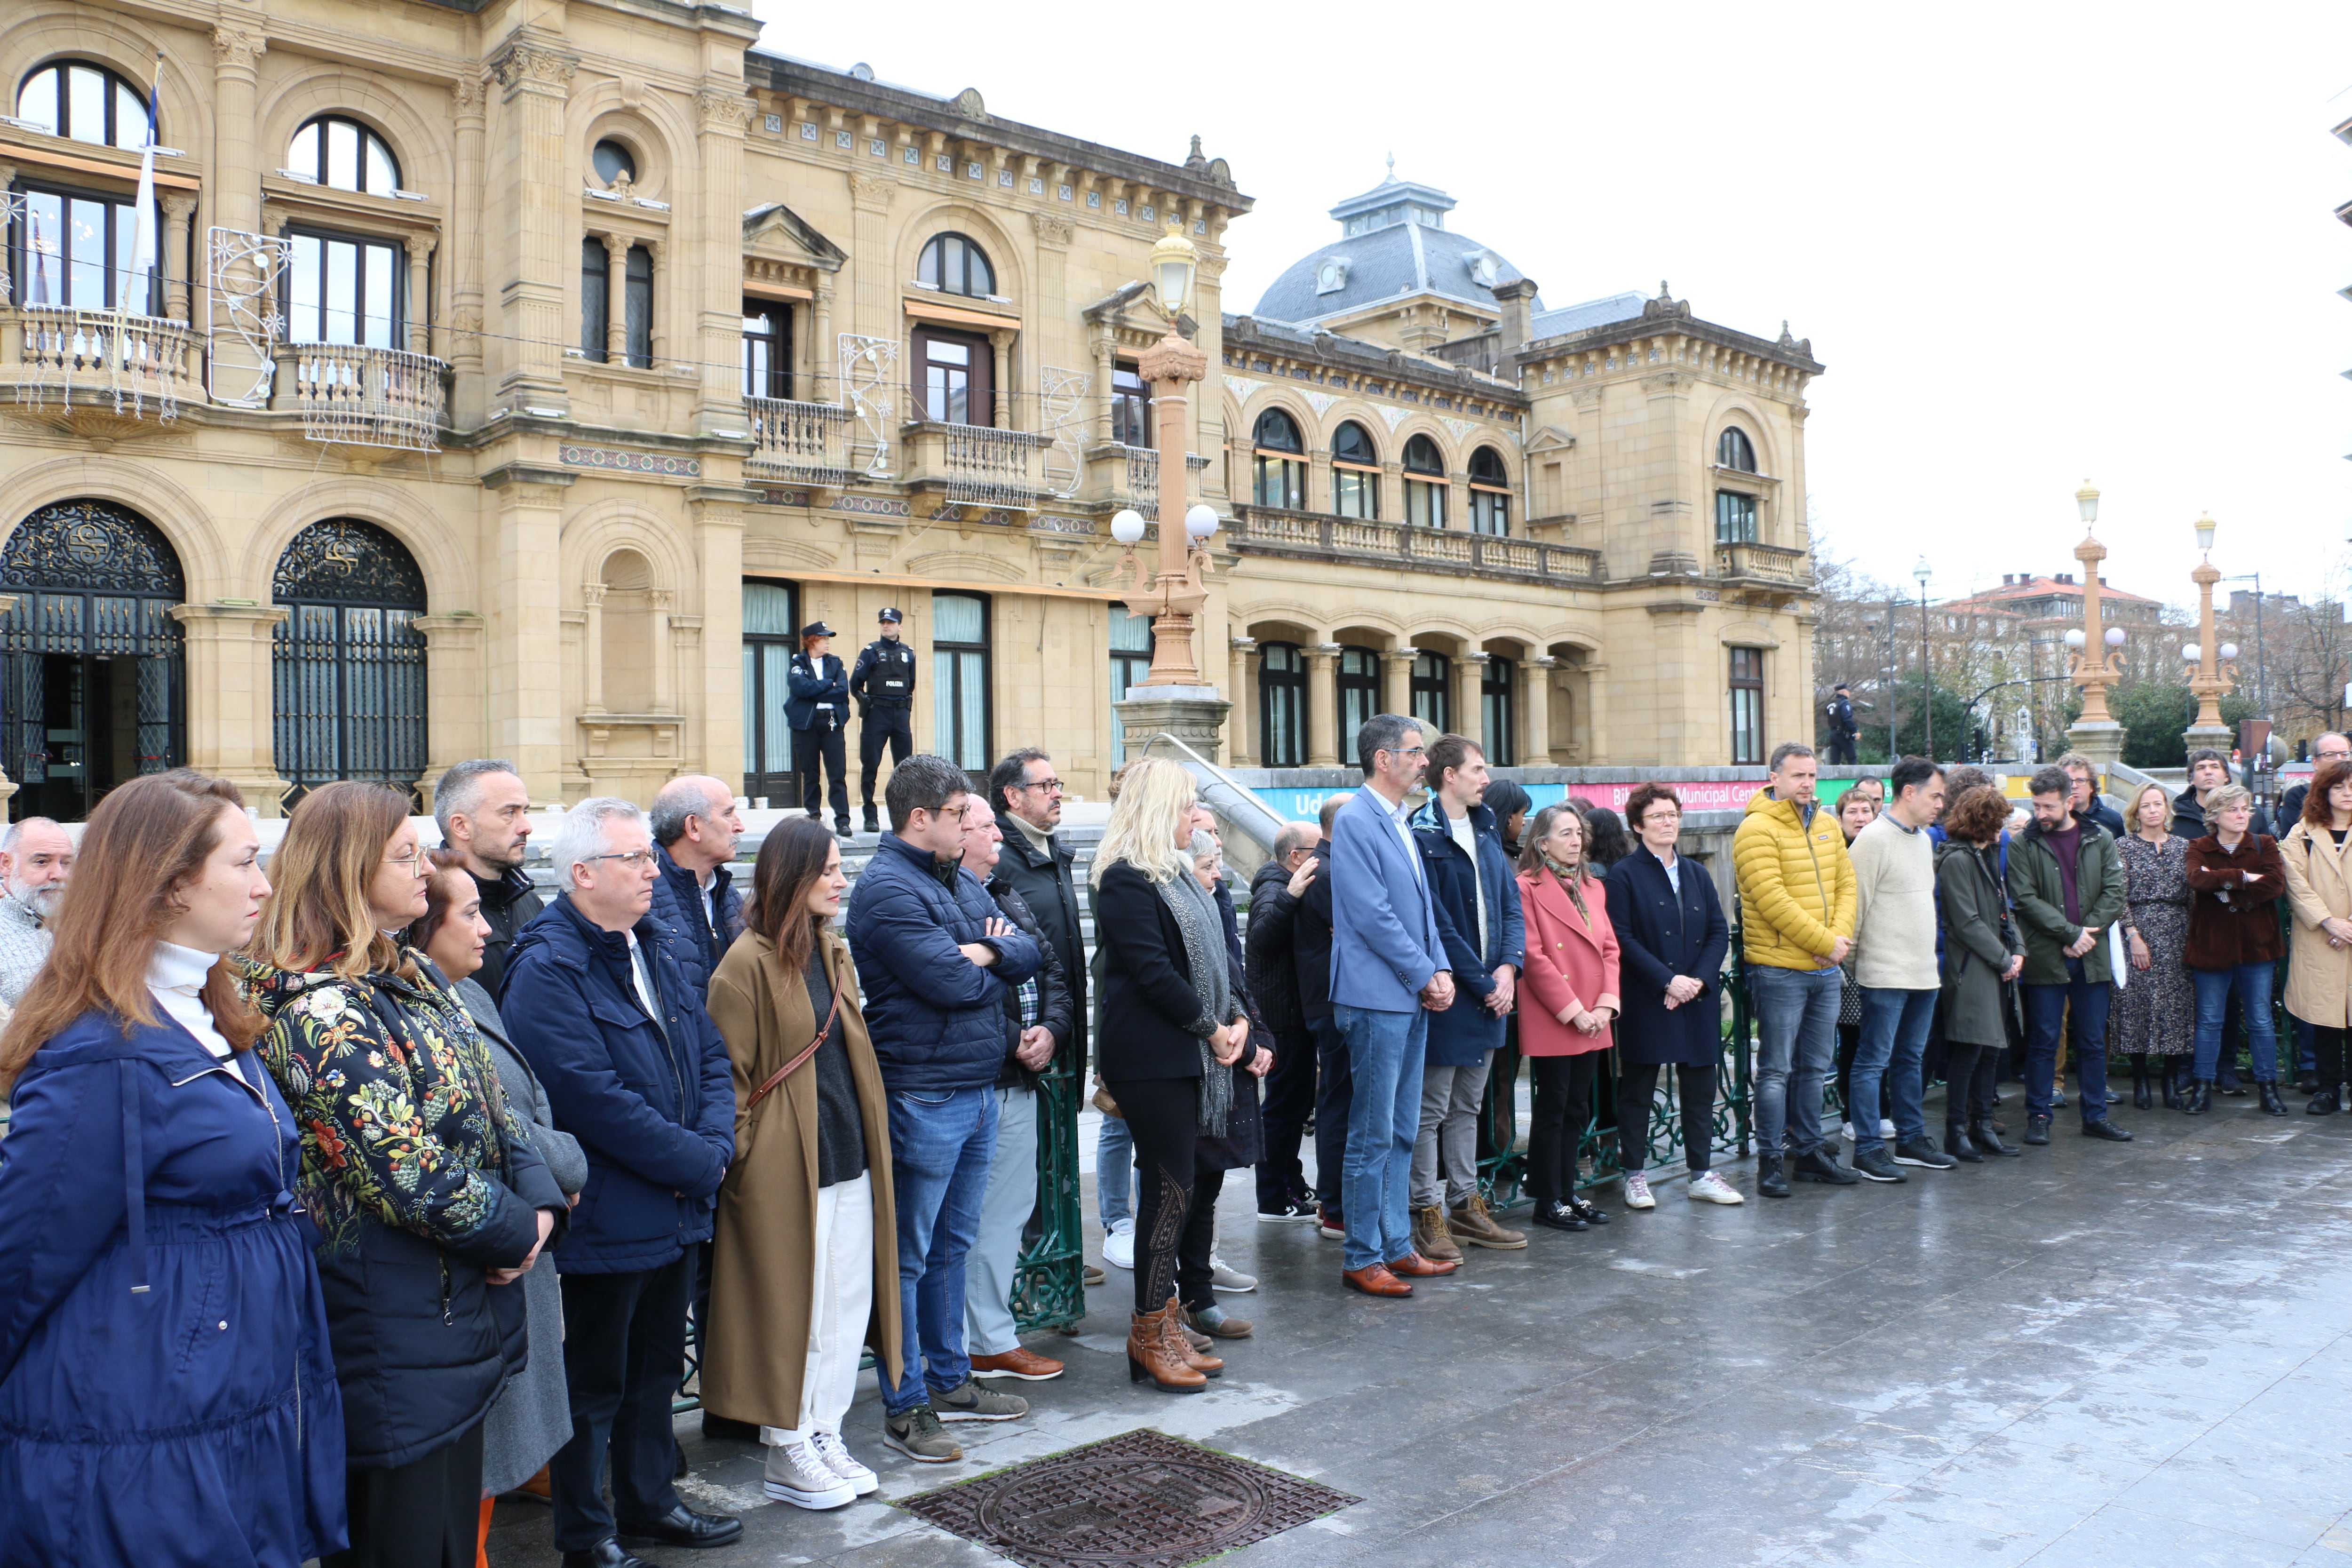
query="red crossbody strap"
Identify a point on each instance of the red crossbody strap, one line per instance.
(794, 1066)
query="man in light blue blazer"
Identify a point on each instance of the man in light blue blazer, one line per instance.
(1388, 975)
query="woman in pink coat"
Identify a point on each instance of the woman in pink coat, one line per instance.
(1568, 1001)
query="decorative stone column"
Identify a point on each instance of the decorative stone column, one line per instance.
(1396, 679)
(1323, 705)
(874, 311)
(525, 686)
(463, 341)
(1240, 743)
(1106, 349)
(718, 548)
(591, 647)
(822, 351)
(536, 76)
(1007, 412)
(1470, 699)
(231, 713)
(616, 298)
(453, 695)
(233, 187)
(420, 293)
(1535, 710)
(660, 602)
(722, 111)
(179, 206)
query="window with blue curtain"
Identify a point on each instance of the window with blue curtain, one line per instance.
(959, 679)
(1131, 661)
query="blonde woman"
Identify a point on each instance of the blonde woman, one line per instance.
(1172, 1025)
(2319, 888)
(2154, 1020)
(427, 1191)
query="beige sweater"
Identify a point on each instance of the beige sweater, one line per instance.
(1895, 908)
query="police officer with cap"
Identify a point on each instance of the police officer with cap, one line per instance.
(883, 685)
(817, 707)
(1843, 731)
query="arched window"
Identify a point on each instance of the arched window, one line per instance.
(1425, 498)
(954, 265)
(84, 102)
(613, 161)
(349, 662)
(637, 290)
(1490, 492)
(1355, 472)
(1281, 705)
(1733, 449)
(1278, 462)
(92, 671)
(343, 154)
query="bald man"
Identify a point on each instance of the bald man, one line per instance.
(35, 863)
(695, 827)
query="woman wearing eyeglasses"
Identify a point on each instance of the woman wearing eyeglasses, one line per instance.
(428, 1195)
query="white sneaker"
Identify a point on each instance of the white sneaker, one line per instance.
(1885, 1128)
(1223, 1275)
(841, 1462)
(1708, 1187)
(1637, 1191)
(798, 1475)
(1118, 1246)
(1845, 1131)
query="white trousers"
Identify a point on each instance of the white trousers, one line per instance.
(841, 1306)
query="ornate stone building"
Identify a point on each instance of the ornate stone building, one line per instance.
(488, 379)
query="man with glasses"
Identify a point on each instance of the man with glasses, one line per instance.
(1388, 975)
(599, 1004)
(935, 958)
(2084, 800)
(1036, 864)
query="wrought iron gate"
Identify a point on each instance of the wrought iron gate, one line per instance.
(348, 662)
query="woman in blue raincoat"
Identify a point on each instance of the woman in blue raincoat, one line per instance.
(167, 1392)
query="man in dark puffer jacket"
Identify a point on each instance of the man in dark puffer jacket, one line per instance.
(934, 956)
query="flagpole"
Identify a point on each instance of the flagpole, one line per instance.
(141, 261)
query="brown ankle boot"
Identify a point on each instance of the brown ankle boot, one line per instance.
(1151, 1355)
(1179, 1338)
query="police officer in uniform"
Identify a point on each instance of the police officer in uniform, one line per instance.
(1843, 731)
(817, 707)
(883, 685)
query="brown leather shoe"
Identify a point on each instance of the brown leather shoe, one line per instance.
(1413, 1266)
(1180, 1339)
(1151, 1358)
(1472, 1223)
(1374, 1280)
(1430, 1236)
(1019, 1361)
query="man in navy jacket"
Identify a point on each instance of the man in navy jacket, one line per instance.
(695, 827)
(637, 1071)
(934, 957)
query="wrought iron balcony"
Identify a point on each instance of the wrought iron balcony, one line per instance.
(119, 363)
(1276, 532)
(977, 465)
(358, 397)
(803, 441)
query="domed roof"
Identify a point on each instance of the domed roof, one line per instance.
(1394, 241)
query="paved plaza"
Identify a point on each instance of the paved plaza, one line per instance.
(2095, 1354)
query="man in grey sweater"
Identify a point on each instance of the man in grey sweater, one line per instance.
(1895, 964)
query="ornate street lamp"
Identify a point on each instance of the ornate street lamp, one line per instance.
(2098, 663)
(1174, 596)
(2215, 675)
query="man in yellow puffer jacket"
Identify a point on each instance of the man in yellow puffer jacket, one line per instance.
(1796, 924)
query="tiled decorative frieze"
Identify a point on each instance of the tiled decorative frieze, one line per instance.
(612, 459)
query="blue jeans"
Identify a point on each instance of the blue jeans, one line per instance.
(941, 1146)
(2252, 984)
(2048, 1008)
(1894, 1026)
(1796, 1042)
(1385, 1052)
(1114, 1172)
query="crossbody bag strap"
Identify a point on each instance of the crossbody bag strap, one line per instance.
(794, 1066)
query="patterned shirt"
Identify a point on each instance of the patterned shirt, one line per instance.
(24, 947)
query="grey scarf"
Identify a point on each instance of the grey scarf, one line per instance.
(1205, 950)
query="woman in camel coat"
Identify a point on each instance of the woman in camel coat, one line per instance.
(2319, 891)
(804, 1265)
(1568, 1000)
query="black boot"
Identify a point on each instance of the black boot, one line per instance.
(2141, 1099)
(2171, 1086)
(1988, 1139)
(2324, 1103)
(1770, 1181)
(873, 823)
(2199, 1100)
(1956, 1145)
(2271, 1104)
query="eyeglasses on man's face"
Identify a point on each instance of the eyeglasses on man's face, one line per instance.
(634, 859)
(1050, 785)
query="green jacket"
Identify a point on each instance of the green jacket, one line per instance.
(2040, 898)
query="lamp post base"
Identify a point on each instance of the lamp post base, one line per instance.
(2220, 737)
(2102, 742)
(1192, 714)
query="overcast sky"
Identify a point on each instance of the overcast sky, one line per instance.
(2032, 244)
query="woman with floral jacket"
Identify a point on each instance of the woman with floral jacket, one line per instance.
(426, 1188)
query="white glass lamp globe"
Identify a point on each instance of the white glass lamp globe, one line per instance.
(2228, 650)
(2191, 651)
(2074, 637)
(1201, 522)
(1128, 526)
(2115, 636)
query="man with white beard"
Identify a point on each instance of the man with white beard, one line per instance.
(36, 861)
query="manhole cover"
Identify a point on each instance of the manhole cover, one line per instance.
(1141, 1500)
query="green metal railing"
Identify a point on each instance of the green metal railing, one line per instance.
(1049, 1288)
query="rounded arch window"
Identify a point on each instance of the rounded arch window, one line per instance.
(84, 102)
(348, 661)
(341, 154)
(1351, 444)
(1486, 468)
(613, 161)
(1421, 456)
(1490, 492)
(1424, 483)
(954, 265)
(1277, 432)
(1733, 449)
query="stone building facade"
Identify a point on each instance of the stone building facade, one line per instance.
(516, 381)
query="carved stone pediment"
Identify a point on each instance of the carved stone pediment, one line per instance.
(777, 233)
